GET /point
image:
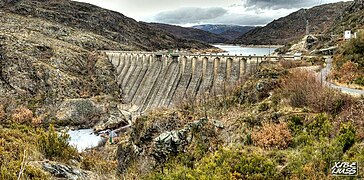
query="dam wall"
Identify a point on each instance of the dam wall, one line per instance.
(151, 80)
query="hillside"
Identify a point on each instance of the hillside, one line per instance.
(51, 72)
(291, 127)
(292, 27)
(349, 62)
(227, 31)
(189, 33)
(351, 19)
(109, 24)
(48, 55)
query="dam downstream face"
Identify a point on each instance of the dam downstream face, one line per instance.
(152, 80)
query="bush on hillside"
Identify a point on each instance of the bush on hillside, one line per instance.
(353, 114)
(21, 115)
(304, 90)
(18, 144)
(226, 163)
(272, 135)
(55, 146)
(346, 137)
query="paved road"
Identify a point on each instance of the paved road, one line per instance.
(325, 71)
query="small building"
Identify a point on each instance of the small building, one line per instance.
(347, 35)
(297, 56)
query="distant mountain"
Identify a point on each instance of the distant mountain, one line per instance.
(293, 27)
(189, 33)
(227, 31)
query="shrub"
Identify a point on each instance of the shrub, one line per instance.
(2, 113)
(353, 114)
(346, 137)
(313, 160)
(288, 64)
(15, 144)
(303, 89)
(21, 115)
(320, 126)
(95, 161)
(263, 107)
(55, 146)
(226, 163)
(36, 121)
(299, 85)
(273, 135)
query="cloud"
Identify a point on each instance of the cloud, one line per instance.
(280, 4)
(190, 15)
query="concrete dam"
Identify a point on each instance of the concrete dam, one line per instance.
(150, 80)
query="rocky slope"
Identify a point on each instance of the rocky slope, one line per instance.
(293, 27)
(45, 63)
(111, 25)
(190, 33)
(351, 18)
(49, 62)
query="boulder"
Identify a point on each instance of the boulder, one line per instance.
(63, 171)
(86, 113)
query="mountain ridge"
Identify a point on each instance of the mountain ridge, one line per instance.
(190, 33)
(292, 27)
(227, 31)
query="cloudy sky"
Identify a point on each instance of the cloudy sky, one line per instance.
(194, 12)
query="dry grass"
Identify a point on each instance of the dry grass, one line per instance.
(288, 64)
(22, 115)
(304, 90)
(273, 135)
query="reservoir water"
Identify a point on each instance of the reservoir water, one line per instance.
(245, 51)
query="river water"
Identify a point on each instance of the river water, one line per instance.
(83, 138)
(245, 51)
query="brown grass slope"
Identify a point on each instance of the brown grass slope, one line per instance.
(109, 24)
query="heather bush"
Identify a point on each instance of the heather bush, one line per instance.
(22, 115)
(272, 135)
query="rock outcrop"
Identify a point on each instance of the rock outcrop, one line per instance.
(152, 143)
(62, 171)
